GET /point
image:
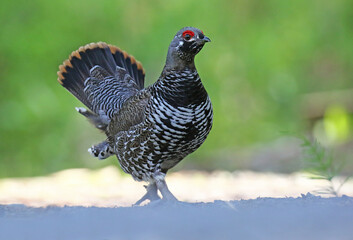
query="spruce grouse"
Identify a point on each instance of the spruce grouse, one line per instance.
(149, 129)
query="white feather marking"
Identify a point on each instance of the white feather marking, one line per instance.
(81, 109)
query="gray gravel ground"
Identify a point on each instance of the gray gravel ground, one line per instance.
(306, 217)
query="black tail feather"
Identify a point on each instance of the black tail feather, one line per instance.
(132, 66)
(74, 71)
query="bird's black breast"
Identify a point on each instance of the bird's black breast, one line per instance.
(181, 88)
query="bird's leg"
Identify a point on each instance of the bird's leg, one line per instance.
(163, 188)
(151, 194)
(101, 150)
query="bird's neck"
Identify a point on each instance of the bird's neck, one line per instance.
(178, 60)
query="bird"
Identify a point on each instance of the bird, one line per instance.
(149, 129)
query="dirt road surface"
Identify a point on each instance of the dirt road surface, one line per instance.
(83, 204)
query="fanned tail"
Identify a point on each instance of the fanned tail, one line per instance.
(78, 68)
(130, 64)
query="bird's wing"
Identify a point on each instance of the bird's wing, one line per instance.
(132, 113)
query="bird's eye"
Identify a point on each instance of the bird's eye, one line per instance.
(187, 35)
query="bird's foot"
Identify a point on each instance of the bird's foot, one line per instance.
(159, 202)
(153, 200)
(151, 194)
(163, 188)
(101, 150)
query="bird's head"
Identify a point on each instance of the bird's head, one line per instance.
(185, 45)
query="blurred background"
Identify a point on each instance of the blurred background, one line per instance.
(274, 69)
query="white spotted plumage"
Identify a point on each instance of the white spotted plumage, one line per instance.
(169, 128)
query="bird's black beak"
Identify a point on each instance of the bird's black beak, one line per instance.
(206, 39)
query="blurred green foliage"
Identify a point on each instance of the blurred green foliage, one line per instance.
(264, 55)
(320, 164)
